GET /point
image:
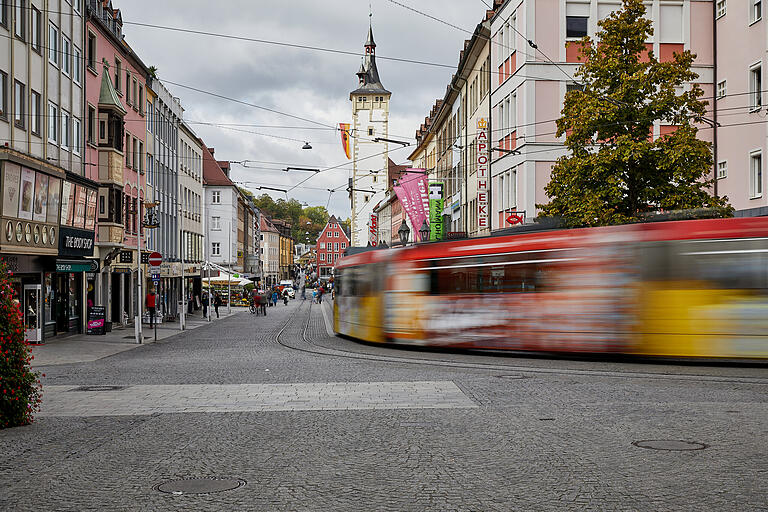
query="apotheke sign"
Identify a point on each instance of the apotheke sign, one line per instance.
(75, 242)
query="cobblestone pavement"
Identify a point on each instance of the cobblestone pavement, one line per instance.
(314, 423)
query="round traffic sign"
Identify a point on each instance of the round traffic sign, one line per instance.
(155, 259)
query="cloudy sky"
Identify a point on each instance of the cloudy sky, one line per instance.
(309, 84)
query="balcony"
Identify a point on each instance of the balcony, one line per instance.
(110, 166)
(111, 234)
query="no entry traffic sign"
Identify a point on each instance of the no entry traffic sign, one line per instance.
(155, 259)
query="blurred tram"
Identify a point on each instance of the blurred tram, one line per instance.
(695, 288)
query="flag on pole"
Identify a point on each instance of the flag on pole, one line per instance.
(344, 127)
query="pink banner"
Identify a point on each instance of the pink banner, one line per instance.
(415, 186)
(405, 201)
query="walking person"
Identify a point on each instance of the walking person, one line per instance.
(320, 295)
(150, 303)
(274, 297)
(216, 303)
(205, 304)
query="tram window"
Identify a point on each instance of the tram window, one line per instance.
(497, 274)
(338, 282)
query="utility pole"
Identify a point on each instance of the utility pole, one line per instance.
(139, 295)
(229, 262)
(183, 318)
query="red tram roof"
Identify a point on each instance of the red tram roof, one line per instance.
(742, 227)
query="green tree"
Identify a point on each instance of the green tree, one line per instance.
(19, 386)
(615, 173)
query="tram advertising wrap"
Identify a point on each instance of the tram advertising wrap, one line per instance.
(694, 288)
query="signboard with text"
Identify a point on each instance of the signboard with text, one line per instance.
(373, 230)
(75, 242)
(97, 316)
(482, 174)
(436, 200)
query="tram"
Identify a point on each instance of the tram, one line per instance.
(693, 288)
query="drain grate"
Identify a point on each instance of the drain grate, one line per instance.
(670, 445)
(199, 485)
(99, 388)
(511, 376)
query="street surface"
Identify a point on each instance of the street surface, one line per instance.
(301, 420)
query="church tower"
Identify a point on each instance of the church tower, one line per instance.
(370, 113)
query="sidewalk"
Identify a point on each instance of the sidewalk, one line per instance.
(83, 348)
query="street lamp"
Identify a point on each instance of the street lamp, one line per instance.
(424, 232)
(403, 232)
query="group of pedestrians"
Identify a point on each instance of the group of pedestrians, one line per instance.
(260, 299)
(216, 303)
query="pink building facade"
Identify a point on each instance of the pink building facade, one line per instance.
(115, 133)
(527, 90)
(741, 38)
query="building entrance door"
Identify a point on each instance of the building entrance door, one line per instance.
(32, 312)
(61, 310)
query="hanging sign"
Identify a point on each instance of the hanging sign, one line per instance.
(436, 210)
(373, 230)
(482, 173)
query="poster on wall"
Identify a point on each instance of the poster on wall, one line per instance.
(66, 205)
(27, 197)
(54, 200)
(80, 201)
(90, 217)
(12, 186)
(40, 209)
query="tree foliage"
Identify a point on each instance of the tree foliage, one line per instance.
(615, 172)
(19, 386)
(303, 220)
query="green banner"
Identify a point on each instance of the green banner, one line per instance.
(436, 189)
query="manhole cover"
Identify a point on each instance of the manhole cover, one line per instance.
(200, 485)
(99, 388)
(670, 445)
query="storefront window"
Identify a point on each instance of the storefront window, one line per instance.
(49, 298)
(74, 297)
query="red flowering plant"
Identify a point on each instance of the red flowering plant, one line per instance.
(20, 388)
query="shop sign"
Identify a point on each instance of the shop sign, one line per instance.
(77, 265)
(170, 269)
(436, 210)
(121, 270)
(373, 230)
(126, 257)
(75, 242)
(482, 173)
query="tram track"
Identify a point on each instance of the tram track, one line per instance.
(526, 371)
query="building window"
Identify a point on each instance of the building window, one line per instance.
(755, 87)
(141, 101)
(216, 197)
(36, 30)
(76, 135)
(367, 198)
(66, 55)
(336, 246)
(370, 131)
(322, 245)
(216, 249)
(343, 245)
(135, 95)
(336, 234)
(756, 11)
(755, 175)
(53, 122)
(77, 56)
(3, 95)
(91, 124)
(722, 89)
(3, 13)
(118, 72)
(720, 8)
(576, 26)
(322, 256)
(19, 97)
(216, 223)
(91, 51)
(53, 44)
(127, 87)
(722, 170)
(65, 142)
(19, 19)
(127, 150)
(34, 110)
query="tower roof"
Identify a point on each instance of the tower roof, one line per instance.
(369, 74)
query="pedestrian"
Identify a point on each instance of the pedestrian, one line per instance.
(150, 302)
(205, 304)
(216, 303)
(320, 295)
(285, 297)
(274, 297)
